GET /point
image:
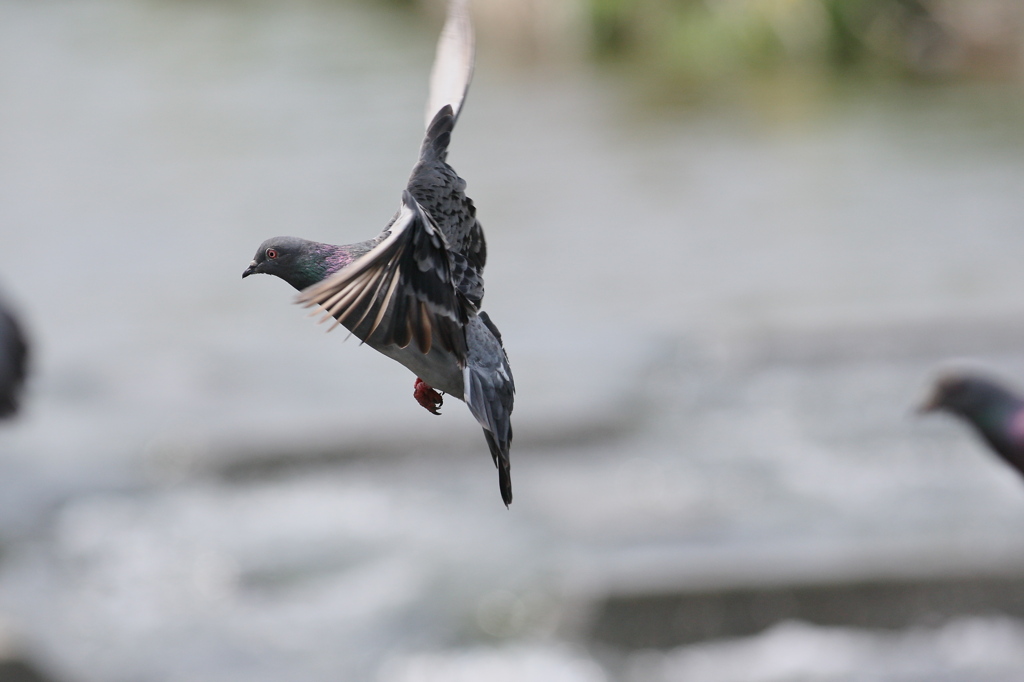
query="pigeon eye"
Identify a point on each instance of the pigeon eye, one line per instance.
(271, 254)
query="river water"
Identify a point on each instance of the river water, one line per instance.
(719, 319)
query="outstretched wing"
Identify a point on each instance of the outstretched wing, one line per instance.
(453, 62)
(434, 184)
(442, 194)
(402, 289)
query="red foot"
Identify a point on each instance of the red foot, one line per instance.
(426, 396)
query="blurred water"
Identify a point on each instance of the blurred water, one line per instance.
(719, 322)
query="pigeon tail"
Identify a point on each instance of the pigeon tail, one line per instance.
(490, 394)
(491, 404)
(499, 452)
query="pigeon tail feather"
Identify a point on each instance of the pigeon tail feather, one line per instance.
(499, 452)
(489, 392)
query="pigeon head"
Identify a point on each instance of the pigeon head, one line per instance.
(299, 262)
(996, 413)
(968, 396)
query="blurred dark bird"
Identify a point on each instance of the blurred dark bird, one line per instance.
(995, 412)
(414, 291)
(13, 362)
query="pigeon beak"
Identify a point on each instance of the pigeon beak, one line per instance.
(251, 270)
(932, 404)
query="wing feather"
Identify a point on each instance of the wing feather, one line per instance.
(453, 61)
(403, 289)
(340, 306)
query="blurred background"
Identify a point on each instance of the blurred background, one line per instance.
(730, 242)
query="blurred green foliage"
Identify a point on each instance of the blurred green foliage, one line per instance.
(711, 40)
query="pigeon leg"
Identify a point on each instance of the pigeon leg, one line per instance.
(426, 396)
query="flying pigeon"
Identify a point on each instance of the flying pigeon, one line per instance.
(996, 413)
(414, 291)
(13, 360)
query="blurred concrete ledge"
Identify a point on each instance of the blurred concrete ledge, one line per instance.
(677, 619)
(924, 339)
(663, 598)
